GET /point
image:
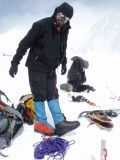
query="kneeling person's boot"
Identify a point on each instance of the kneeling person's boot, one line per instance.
(91, 89)
(41, 125)
(62, 126)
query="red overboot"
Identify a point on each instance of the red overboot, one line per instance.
(42, 128)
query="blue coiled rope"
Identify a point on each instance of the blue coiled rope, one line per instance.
(54, 147)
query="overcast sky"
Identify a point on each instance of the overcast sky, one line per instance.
(22, 13)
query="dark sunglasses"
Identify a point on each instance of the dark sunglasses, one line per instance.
(63, 18)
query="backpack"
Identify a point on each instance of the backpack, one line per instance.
(24, 111)
(10, 122)
(28, 103)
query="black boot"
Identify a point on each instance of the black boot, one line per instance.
(66, 126)
(91, 89)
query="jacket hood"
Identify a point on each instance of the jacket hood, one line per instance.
(66, 9)
(81, 62)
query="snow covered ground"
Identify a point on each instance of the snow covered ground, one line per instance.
(104, 71)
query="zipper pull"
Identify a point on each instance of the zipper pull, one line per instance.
(36, 58)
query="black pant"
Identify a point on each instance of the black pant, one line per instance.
(83, 88)
(80, 88)
(43, 85)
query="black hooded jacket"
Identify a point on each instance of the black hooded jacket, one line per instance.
(47, 45)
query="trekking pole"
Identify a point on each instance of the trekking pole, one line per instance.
(113, 94)
(73, 50)
(103, 153)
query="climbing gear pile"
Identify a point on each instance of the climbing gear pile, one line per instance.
(100, 118)
(101, 121)
(83, 99)
(110, 113)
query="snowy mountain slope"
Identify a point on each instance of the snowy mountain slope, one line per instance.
(10, 40)
(103, 71)
(103, 37)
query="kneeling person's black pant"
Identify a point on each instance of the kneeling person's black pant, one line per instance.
(80, 87)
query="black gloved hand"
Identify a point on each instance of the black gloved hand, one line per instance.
(13, 70)
(63, 69)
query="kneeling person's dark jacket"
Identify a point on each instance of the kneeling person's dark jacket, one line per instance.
(76, 76)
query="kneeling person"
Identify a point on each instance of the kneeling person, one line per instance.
(76, 77)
